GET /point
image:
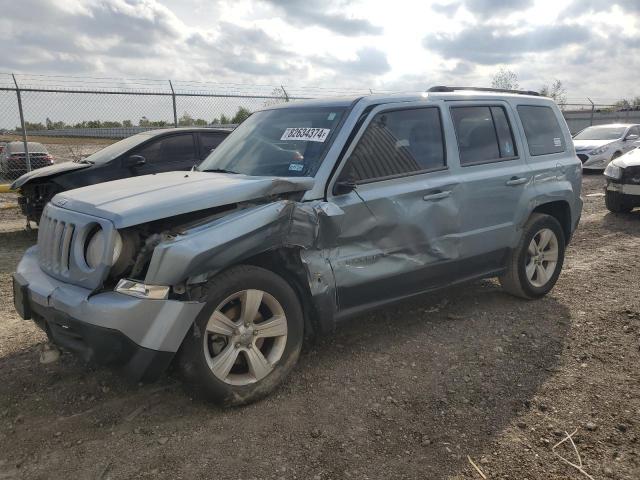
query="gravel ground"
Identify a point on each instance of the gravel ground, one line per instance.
(410, 391)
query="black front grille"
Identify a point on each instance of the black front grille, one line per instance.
(583, 158)
(631, 175)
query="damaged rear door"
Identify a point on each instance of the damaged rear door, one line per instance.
(401, 218)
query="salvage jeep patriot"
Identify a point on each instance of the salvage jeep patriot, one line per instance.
(308, 213)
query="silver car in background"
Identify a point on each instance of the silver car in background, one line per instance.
(596, 146)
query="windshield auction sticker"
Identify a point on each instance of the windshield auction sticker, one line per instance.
(306, 134)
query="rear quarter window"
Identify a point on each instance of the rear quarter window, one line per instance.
(542, 130)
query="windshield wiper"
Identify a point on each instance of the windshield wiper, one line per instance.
(219, 170)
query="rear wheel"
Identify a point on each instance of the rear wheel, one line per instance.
(535, 264)
(246, 339)
(615, 203)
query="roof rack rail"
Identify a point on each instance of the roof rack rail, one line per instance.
(443, 88)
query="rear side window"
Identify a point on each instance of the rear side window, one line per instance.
(396, 143)
(542, 130)
(169, 149)
(209, 142)
(484, 134)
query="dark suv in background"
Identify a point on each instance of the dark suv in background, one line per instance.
(146, 153)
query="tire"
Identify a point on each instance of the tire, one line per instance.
(614, 202)
(516, 280)
(248, 363)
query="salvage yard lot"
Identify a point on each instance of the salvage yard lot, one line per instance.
(409, 391)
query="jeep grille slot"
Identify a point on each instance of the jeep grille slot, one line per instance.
(54, 243)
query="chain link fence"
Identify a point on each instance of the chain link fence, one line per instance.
(60, 118)
(46, 119)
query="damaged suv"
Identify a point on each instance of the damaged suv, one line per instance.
(307, 214)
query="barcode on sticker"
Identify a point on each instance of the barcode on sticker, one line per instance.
(557, 142)
(306, 134)
(296, 167)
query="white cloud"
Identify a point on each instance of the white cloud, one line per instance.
(591, 45)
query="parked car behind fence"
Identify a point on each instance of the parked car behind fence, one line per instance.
(13, 161)
(153, 151)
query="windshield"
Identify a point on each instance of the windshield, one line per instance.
(116, 149)
(287, 142)
(600, 133)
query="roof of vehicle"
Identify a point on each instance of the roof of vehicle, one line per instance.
(377, 98)
(161, 131)
(610, 125)
(17, 147)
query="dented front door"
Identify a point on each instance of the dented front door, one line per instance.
(400, 224)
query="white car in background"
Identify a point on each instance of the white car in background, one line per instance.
(596, 146)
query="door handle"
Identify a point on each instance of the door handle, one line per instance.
(514, 181)
(437, 196)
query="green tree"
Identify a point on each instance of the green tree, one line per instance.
(505, 80)
(556, 91)
(241, 115)
(185, 120)
(127, 123)
(224, 120)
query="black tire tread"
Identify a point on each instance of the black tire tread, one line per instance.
(511, 280)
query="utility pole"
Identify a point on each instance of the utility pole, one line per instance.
(175, 110)
(24, 128)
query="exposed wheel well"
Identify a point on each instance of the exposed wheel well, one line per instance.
(561, 211)
(286, 263)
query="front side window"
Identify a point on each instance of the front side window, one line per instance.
(286, 142)
(483, 133)
(209, 142)
(600, 133)
(174, 148)
(542, 130)
(396, 143)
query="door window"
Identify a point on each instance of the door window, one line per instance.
(542, 130)
(175, 148)
(208, 143)
(484, 134)
(396, 143)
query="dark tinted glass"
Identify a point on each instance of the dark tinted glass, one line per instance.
(397, 143)
(169, 149)
(542, 130)
(208, 143)
(505, 135)
(477, 140)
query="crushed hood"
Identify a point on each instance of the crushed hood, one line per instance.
(137, 200)
(48, 172)
(582, 145)
(629, 159)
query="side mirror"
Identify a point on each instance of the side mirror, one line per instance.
(134, 161)
(342, 187)
(631, 137)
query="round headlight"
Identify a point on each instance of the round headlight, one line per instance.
(95, 248)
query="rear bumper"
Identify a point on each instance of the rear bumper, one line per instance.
(140, 335)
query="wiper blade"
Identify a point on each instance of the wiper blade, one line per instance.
(220, 170)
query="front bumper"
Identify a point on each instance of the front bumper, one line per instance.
(597, 162)
(141, 335)
(624, 189)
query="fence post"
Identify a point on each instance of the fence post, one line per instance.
(593, 107)
(175, 110)
(286, 95)
(22, 124)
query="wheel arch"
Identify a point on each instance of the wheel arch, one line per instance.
(287, 263)
(561, 211)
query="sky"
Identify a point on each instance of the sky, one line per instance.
(592, 46)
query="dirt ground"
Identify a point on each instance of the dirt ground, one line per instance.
(410, 391)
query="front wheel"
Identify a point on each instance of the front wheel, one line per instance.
(535, 264)
(614, 202)
(246, 339)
